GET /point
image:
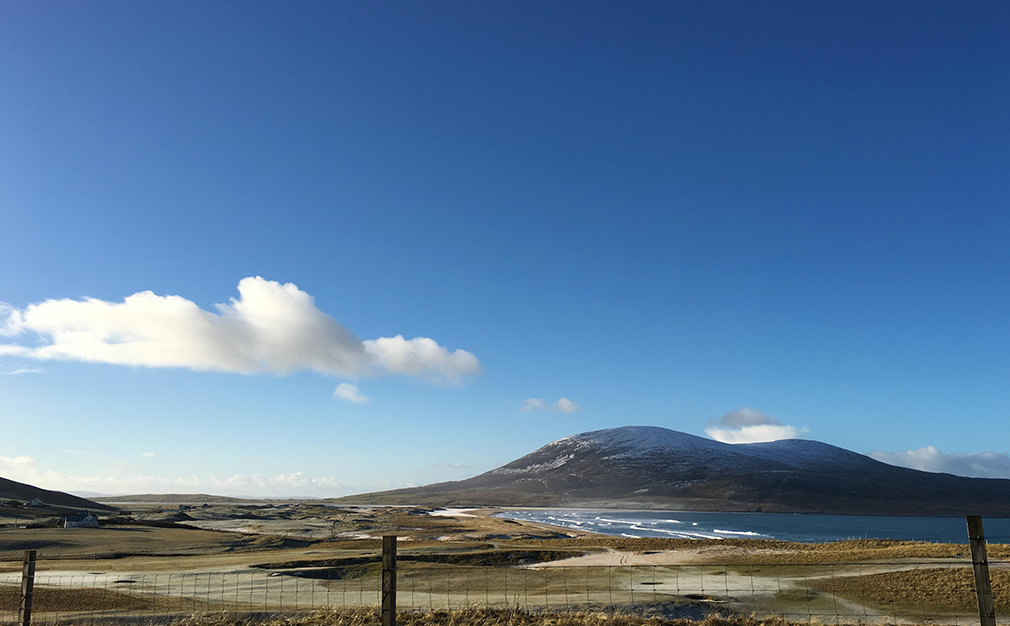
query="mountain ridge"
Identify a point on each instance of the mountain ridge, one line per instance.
(178, 498)
(653, 467)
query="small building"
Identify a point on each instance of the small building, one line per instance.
(80, 520)
(35, 502)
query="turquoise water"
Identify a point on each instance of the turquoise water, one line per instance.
(806, 528)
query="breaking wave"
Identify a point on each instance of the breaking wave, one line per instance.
(787, 527)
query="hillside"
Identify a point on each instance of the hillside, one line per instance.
(174, 498)
(12, 490)
(650, 467)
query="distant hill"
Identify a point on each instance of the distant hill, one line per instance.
(173, 498)
(650, 467)
(12, 490)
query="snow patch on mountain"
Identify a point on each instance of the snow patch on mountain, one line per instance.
(659, 451)
(647, 438)
(536, 467)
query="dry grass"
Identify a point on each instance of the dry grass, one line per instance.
(481, 558)
(934, 588)
(749, 551)
(126, 540)
(482, 617)
(72, 600)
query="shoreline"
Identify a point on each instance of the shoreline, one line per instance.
(709, 525)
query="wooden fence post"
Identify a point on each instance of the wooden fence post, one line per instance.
(27, 588)
(983, 586)
(389, 580)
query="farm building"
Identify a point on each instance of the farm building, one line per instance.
(35, 502)
(80, 520)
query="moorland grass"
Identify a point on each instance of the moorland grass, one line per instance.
(480, 617)
(926, 589)
(752, 551)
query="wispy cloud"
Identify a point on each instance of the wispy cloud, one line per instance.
(147, 455)
(22, 370)
(531, 404)
(930, 459)
(455, 466)
(25, 469)
(747, 425)
(270, 328)
(349, 392)
(563, 405)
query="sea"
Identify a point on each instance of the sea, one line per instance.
(782, 526)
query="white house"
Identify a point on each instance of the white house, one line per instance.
(81, 520)
(35, 502)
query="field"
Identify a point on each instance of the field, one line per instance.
(241, 559)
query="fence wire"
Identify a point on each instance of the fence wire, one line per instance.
(842, 593)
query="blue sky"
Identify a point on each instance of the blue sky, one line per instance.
(661, 212)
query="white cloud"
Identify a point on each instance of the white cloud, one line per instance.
(349, 392)
(24, 469)
(23, 370)
(423, 357)
(756, 434)
(930, 459)
(744, 416)
(271, 328)
(563, 405)
(531, 404)
(10, 320)
(147, 455)
(747, 425)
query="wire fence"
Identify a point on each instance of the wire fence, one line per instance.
(921, 592)
(14, 552)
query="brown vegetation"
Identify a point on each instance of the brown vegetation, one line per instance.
(91, 543)
(482, 617)
(483, 558)
(753, 551)
(933, 588)
(79, 600)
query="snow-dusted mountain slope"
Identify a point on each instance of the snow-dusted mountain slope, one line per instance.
(647, 466)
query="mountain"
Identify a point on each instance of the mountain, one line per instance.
(12, 490)
(650, 467)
